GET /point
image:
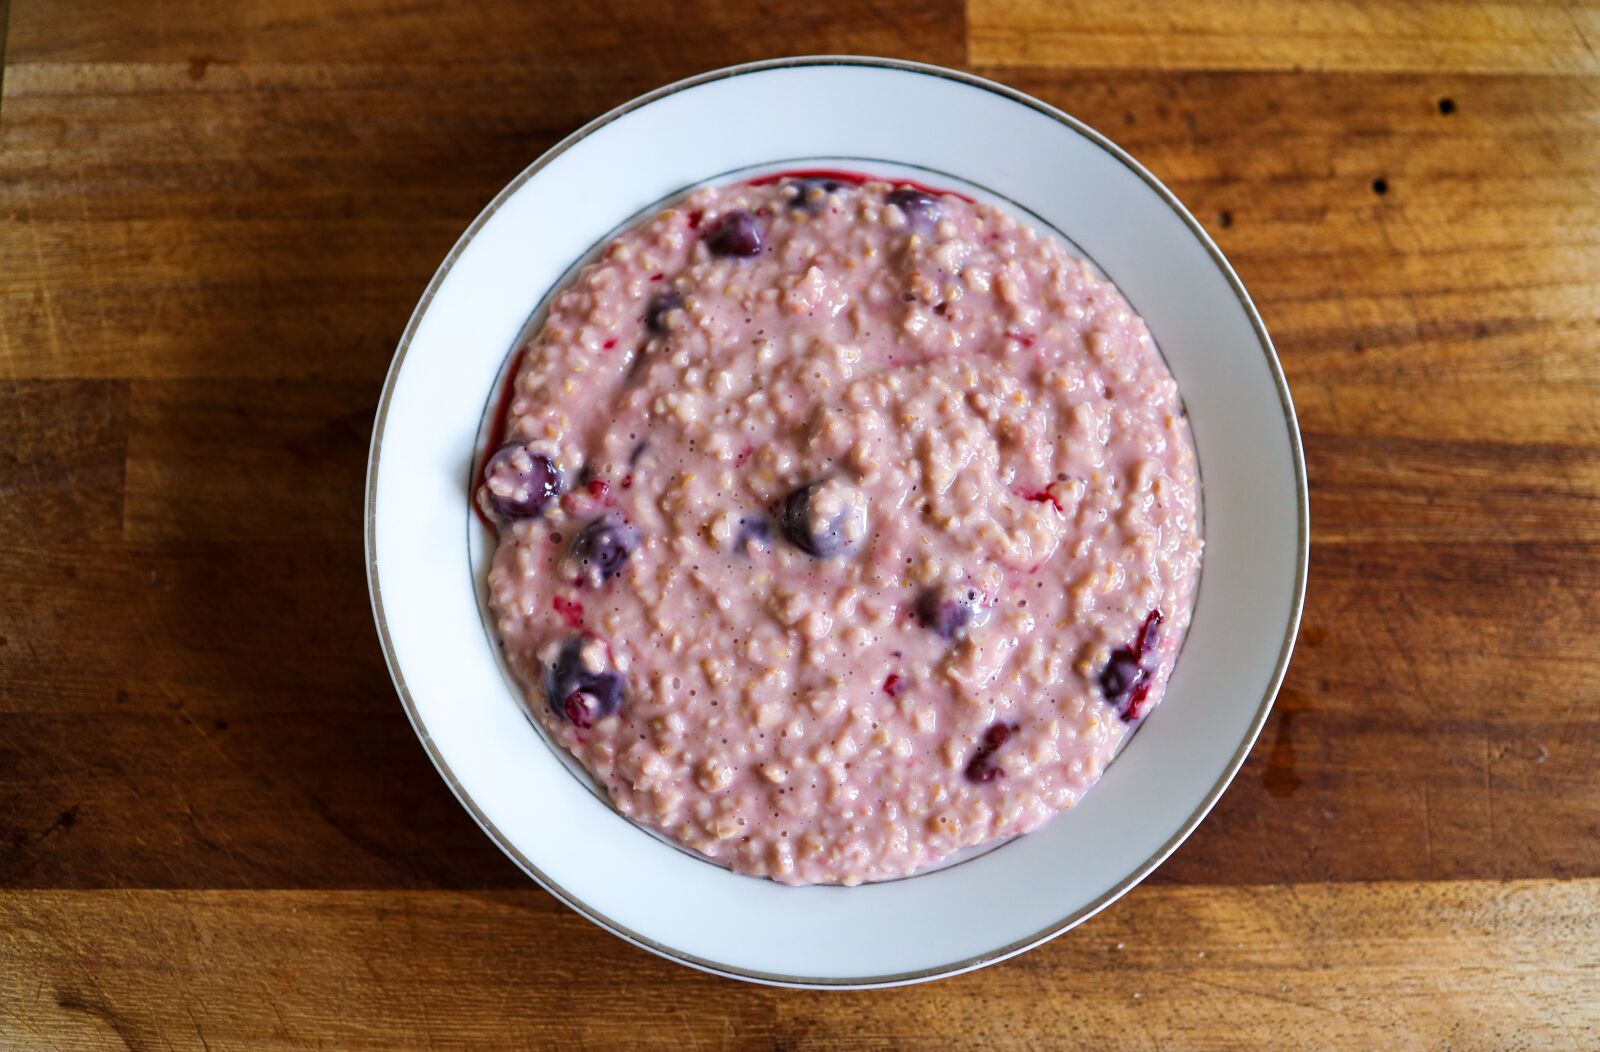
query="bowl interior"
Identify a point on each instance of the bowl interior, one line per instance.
(426, 551)
(481, 539)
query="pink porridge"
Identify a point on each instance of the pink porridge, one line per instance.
(842, 525)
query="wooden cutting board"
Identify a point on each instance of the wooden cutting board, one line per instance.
(217, 829)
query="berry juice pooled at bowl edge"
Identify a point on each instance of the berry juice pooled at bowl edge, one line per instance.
(842, 525)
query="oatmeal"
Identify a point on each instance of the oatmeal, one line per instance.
(842, 525)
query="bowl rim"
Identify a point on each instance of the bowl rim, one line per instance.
(1077, 916)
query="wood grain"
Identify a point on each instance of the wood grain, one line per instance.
(216, 827)
(1463, 36)
(1466, 966)
(640, 39)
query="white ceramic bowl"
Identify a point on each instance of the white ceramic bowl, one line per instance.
(425, 549)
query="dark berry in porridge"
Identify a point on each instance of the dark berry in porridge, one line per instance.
(519, 482)
(983, 767)
(579, 682)
(755, 534)
(601, 548)
(655, 315)
(736, 233)
(824, 518)
(921, 209)
(811, 192)
(947, 611)
(1127, 677)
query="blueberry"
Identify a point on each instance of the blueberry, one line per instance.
(575, 690)
(519, 483)
(810, 191)
(823, 518)
(602, 547)
(1121, 677)
(1126, 680)
(755, 534)
(735, 234)
(947, 613)
(660, 304)
(982, 768)
(922, 209)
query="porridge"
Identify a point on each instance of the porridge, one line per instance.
(842, 525)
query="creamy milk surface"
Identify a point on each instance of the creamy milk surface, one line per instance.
(842, 525)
